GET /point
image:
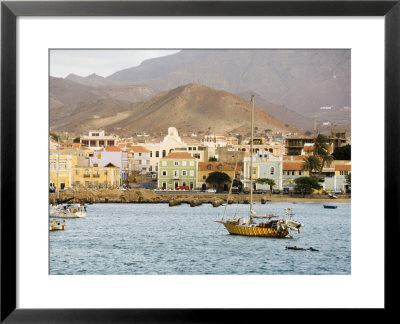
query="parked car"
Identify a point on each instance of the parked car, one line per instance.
(52, 189)
(286, 191)
(259, 191)
(235, 190)
(276, 191)
(211, 190)
(246, 190)
(182, 188)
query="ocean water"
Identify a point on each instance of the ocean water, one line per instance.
(182, 240)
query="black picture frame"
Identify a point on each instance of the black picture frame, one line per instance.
(11, 10)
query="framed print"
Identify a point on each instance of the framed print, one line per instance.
(359, 42)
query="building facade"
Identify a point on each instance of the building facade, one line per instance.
(176, 170)
(265, 165)
(113, 155)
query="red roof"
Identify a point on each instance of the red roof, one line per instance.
(176, 155)
(293, 166)
(343, 167)
(139, 149)
(214, 166)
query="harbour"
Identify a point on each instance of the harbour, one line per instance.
(155, 239)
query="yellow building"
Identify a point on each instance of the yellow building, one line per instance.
(205, 168)
(61, 167)
(107, 176)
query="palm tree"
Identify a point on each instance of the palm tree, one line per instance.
(267, 181)
(321, 150)
(311, 163)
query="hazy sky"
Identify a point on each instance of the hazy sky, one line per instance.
(101, 62)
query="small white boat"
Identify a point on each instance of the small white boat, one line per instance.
(68, 211)
(57, 226)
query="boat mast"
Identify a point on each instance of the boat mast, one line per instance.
(251, 157)
(58, 162)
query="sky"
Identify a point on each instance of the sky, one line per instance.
(102, 62)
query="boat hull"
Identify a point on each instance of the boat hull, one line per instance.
(255, 231)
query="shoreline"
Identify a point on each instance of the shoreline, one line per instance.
(92, 196)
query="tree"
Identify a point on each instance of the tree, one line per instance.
(311, 163)
(267, 181)
(342, 153)
(212, 159)
(55, 136)
(77, 139)
(348, 179)
(307, 184)
(218, 178)
(321, 150)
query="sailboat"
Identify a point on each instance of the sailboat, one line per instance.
(268, 225)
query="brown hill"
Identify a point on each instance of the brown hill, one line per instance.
(65, 92)
(192, 107)
(281, 113)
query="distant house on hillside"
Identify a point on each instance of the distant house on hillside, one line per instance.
(97, 140)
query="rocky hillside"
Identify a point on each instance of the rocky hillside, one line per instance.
(301, 80)
(190, 108)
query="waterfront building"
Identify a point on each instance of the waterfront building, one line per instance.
(177, 169)
(113, 155)
(265, 165)
(61, 169)
(205, 168)
(97, 140)
(292, 169)
(107, 176)
(139, 159)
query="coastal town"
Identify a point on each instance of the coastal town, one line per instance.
(190, 163)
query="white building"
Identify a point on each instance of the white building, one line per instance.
(97, 140)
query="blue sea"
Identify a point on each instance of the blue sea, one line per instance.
(155, 239)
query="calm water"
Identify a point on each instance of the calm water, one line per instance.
(158, 239)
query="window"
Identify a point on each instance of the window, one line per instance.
(164, 173)
(62, 165)
(293, 172)
(52, 165)
(164, 153)
(220, 167)
(157, 154)
(184, 173)
(176, 174)
(164, 185)
(191, 172)
(191, 163)
(176, 163)
(272, 171)
(164, 163)
(204, 177)
(209, 167)
(183, 163)
(77, 172)
(300, 172)
(344, 172)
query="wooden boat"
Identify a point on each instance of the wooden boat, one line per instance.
(330, 206)
(57, 226)
(268, 227)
